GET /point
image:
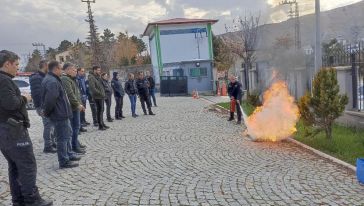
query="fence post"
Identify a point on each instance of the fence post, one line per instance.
(354, 82)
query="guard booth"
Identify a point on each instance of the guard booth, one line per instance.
(173, 86)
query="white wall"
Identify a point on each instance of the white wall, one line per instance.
(183, 47)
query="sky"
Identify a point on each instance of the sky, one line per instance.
(24, 22)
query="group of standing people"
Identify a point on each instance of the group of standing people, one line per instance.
(59, 94)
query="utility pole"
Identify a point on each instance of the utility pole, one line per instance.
(294, 13)
(36, 45)
(94, 41)
(318, 52)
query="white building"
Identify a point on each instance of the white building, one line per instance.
(183, 47)
(63, 57)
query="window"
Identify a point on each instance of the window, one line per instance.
(21, 83)
(198, 72)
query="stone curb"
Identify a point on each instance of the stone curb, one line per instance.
(324, 155)
(321, 154)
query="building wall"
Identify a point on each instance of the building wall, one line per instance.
(179, 43)
(203, 84)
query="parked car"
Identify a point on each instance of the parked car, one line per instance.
(24, 87)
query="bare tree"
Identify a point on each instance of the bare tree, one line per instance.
(247, 32)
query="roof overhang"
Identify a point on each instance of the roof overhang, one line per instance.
(177, 21)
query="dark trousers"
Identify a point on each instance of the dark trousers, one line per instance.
(119, 101)
(238, 111)
(17, 149)
(75, 124)
(144, 99)
(82, 113)
(93, 110)
(100, 111)
(63, 131)
(108, 106)
(152, 96)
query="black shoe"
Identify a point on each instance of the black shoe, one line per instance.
(96, 124)
(122, 116)
(83, 129)
(151, 113)
(230, 119)
(18, 204)
(75, 158)
(145, 113)
(50, 150)
(110, 119)
(69, 164)
(106, 127)
(118, 118)
(78, 151)
(238, 122)
(155, 106)
(87, 123)
(102, 128)
(41, 202)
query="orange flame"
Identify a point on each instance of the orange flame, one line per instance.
(276, 119)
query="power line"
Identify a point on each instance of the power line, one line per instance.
(294, 13)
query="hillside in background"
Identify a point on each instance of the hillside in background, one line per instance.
(345, 23)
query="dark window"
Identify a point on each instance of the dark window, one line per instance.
(21, 83)
(198, 72)
(178, 72)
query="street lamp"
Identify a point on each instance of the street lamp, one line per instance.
(318, 55)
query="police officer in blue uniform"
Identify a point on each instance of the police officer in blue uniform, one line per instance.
(15, 143)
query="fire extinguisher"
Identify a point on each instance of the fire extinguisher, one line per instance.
(232, 105)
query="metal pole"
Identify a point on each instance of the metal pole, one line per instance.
(318, 55)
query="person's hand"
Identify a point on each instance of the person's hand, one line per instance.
(232, 98)
(28, 97)
(81, 108)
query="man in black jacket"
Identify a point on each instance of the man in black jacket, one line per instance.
(119, 96)
(143, 91)
(35, 81)
(15, 143)
(57, 108)
(151, 87)
(108, 94)
(235, 94)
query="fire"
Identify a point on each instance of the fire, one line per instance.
(276, 119)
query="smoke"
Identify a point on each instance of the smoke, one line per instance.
(276, 119)
(280, 13)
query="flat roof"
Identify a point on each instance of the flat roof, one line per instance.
(178, 21)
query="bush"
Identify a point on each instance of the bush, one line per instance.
(326, 104)
(253, 99)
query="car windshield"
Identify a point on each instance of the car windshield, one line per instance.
(21, 83)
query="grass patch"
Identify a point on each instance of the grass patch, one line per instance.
(347, 144)
(248, 108)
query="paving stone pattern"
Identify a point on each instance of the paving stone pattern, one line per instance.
(186, 155)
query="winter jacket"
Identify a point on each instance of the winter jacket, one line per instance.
(12, 104)
(117, 87)
(73, 92)
(35, 81)
(55, 103)
(235, 90)
(130, 87)
(151, 82)
(81, 81)
(96, 87)
(143, 86)
(107, 87)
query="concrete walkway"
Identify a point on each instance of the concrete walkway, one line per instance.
(186, 155)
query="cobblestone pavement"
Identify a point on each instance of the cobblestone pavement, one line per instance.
(186, 155)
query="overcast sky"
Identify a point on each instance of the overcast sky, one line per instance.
(51, 21)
